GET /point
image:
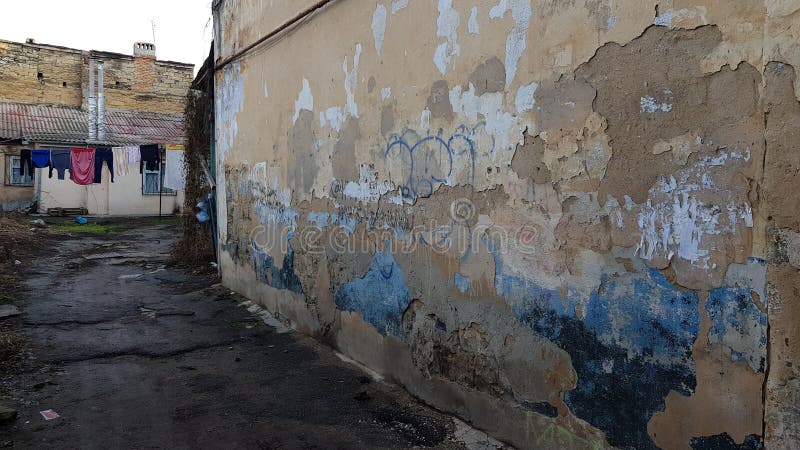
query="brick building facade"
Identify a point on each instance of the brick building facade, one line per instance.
(52, 96)
(48, 74)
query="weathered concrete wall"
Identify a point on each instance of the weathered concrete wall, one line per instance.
(131, 83)
(572, 223)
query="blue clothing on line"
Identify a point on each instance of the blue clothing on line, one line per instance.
(60, 160)
(101, 155)
(40, 157)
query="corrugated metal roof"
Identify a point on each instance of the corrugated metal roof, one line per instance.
(60, 124)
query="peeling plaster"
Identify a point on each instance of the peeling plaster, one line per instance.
(525, 97)
(379, 26)
(633, 271)
(446, 27)
(304, 101)
(515, 44)
(474, 27)
(397, 5)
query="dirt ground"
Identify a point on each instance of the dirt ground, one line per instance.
(133, 353)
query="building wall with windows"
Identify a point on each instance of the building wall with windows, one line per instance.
(16, 192)
(574, 223)
(131, 194)
(52, 96)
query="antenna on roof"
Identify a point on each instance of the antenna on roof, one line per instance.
(153, 25)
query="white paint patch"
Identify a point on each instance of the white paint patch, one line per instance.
(674, 221)
(474, 27)
(611, 22)
(386, 93)
(266, 91)
(446, 27)
(695, 15)
(397, 5)
(490, 107)
(229, 102)
(425, 120)
(351, 79)
(304, 101)
(525, 97)
(368, 189)
(379, 26)
(515, 43)
(650, 105)
(335, 117)
(664, 19)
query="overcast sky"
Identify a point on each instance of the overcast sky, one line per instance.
(183, 29)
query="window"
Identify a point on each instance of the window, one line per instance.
(13, 176)
(152, 180)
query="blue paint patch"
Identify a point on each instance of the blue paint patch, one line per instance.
(381, 295)
(632, 347)
(462, 283)
(348, 224)
(737, 323)
(321, 220)
(645, 315)
(279, 277)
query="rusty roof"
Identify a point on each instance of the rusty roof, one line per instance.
(61, 124)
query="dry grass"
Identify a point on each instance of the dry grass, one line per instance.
(194, 248)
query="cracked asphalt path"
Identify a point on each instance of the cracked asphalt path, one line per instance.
(134, 354)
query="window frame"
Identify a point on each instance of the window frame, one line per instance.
(164, 191)
(8, 176)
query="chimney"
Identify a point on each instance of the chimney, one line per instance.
(101, 104)
(92, 104)
(144, 50)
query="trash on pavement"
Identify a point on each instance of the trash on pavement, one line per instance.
(49, 414)
(81, 220)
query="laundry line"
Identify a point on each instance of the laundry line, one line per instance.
(85, 165)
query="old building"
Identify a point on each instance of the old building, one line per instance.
(574, 224)
(58, 98)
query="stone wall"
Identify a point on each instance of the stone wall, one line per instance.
(20, 66)
(573, 224)
(131, 83)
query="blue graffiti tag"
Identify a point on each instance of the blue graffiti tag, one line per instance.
(430, 159)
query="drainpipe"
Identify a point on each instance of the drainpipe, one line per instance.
(101, 105)
(92, 105)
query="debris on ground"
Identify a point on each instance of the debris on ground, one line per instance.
(49, 414)
(39, 223)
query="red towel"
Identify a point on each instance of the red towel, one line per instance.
(82, 170)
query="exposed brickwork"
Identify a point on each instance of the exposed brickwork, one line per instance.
(20, 66)
(131, 83)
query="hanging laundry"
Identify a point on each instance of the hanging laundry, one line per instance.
(120, 160)
(103, 155)
(25, 162)
(40, 157)
(133, 154)
(174, 169)
(82, 169)
(61, 161)
(151, 158)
